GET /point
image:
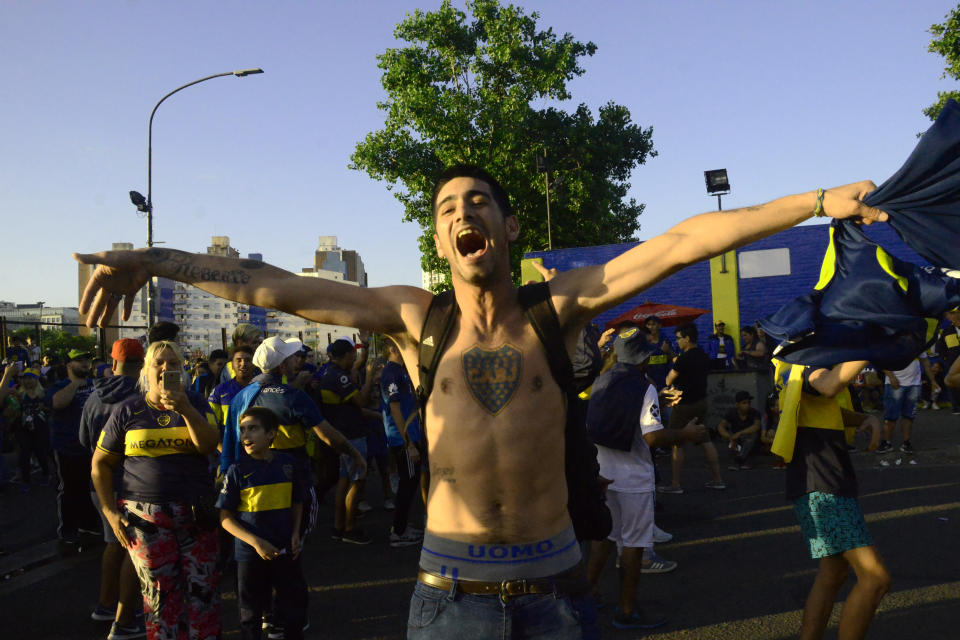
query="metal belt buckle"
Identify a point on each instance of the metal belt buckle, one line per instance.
(512, 588)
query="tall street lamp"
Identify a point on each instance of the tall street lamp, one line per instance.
(543, 166)
(145, 205)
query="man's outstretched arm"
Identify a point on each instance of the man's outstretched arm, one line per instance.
(121, 274)
(580, 294)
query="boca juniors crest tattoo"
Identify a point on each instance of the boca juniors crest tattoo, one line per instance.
(493, 375)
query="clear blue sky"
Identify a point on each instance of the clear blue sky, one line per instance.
(786, 96)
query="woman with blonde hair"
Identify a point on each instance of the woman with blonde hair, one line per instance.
(164, 514)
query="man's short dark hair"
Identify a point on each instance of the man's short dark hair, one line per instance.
(498, 193)
(217, 354)
(163, 332)
(239, 348)
(688, 331)
(267, 418)
(339, 348)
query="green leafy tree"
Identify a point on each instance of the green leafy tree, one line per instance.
(59, 342)
(946, 43)
(481, 90)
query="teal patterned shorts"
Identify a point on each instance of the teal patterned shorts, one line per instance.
(831, 524)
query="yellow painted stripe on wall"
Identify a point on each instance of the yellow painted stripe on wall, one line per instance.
(725, 291)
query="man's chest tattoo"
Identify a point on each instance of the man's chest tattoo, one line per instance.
(493, 375)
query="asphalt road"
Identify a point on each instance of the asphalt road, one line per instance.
(743, 570)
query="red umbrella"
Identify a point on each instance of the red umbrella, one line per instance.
(670, 314)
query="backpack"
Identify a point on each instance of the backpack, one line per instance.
(586, 501)
(587, 359)
(616, 403)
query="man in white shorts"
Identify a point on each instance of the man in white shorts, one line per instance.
(624, 420)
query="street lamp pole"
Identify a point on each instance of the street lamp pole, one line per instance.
(146, 205)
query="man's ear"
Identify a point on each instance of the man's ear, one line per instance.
(513, 228)
(436, 243)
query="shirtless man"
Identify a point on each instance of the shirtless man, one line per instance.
(498, 532)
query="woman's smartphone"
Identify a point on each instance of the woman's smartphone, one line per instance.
(170, 380)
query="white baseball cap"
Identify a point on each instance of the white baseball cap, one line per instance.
(273, 351)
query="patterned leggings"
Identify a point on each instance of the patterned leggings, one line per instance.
(176, 563)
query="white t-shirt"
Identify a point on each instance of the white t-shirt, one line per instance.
(910, 376)
(632, 471)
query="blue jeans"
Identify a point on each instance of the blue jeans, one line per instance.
(439, 614)
(900, 402)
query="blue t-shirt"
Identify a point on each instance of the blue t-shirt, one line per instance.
(395, 386)
(160, 461)
(65, 423)
(336, 393)
(220, 398)
(261, 495)
(296, 410)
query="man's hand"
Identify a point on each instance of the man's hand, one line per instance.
(671, 395)
(265, 550)
(694, 432)
(295, 544)
(846, 202)
(361, 464)
(548, 274)
(606, 336)
(120, 275)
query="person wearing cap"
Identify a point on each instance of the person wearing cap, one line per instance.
(495, 421)
(163, 512)
(32, 431)
(297, 412)
(720, 347)
(119, 586)
(740, 427)
(66, 399)
(343, 404)
(623, 418)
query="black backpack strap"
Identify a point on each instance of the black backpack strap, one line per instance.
(537, 304)
(433, 337)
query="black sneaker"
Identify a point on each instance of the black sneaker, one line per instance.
(885, 447)
(906, 447)
(356, 536)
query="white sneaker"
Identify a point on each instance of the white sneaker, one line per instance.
(406, 539)
(935, 406)
(389, 504)
(363, 507)
(660, 536)
(652, 563)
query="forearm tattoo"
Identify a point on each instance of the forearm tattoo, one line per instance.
(181, 265)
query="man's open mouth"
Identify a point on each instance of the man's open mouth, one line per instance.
(471, 243)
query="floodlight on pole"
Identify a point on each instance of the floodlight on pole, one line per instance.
(145, 205)
(718, 185)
